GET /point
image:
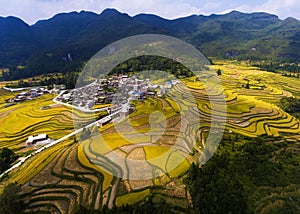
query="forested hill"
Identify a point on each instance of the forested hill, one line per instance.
(64, 42)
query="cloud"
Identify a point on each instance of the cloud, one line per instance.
(165, 8)
(33, 10)
(282, 8)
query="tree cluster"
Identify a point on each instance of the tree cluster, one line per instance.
(10, 200)
(7, 157)
(147, 63)
(290, 105)
(228, 182)
(279, 66)
(145, 207)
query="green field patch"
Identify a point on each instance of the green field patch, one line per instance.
(195, 85)
(158, 156)
(117, 140)
(173, 104)
(85, 160)
(99, 106)
(177, 165)
(240, 106)
(132, 198)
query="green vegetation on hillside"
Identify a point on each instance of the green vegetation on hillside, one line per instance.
(259, 175)
(149, 63)
(66, 42)
(291, 105)
(69, 80)
(279, 66)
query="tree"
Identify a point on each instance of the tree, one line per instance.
(248, 85)
(7, 155)
(219, 72)
(10, 201)
(6, 158)
(290, 105)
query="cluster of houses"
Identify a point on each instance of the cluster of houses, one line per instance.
(30, 95)
(35, 92)
(82, 97)
(57, 89)
(115, 90)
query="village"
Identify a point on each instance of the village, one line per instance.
(34, 92)
(115, 90)
(30, 95)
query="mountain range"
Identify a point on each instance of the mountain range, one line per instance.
(63, 43)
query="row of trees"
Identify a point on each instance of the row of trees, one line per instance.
(146, 207)
(290, 74)
(290, 67)
(68, 79)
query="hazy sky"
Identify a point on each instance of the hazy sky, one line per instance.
(33, 10)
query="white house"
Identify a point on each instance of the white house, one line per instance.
(32, 140)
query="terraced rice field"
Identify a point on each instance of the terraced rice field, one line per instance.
(253, 112)
(137, 139)
(276, 86)
(38, 116)
(164, 135)
(63, 182)
(60, 179)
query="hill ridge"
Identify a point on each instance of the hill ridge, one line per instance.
(42, 46)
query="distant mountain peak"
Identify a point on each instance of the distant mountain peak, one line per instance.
(235, 12)
(240, 15)
(146, 16)
(256, 15)
(110, 11)
(290, 19)
(74, 13)
(13, 21)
